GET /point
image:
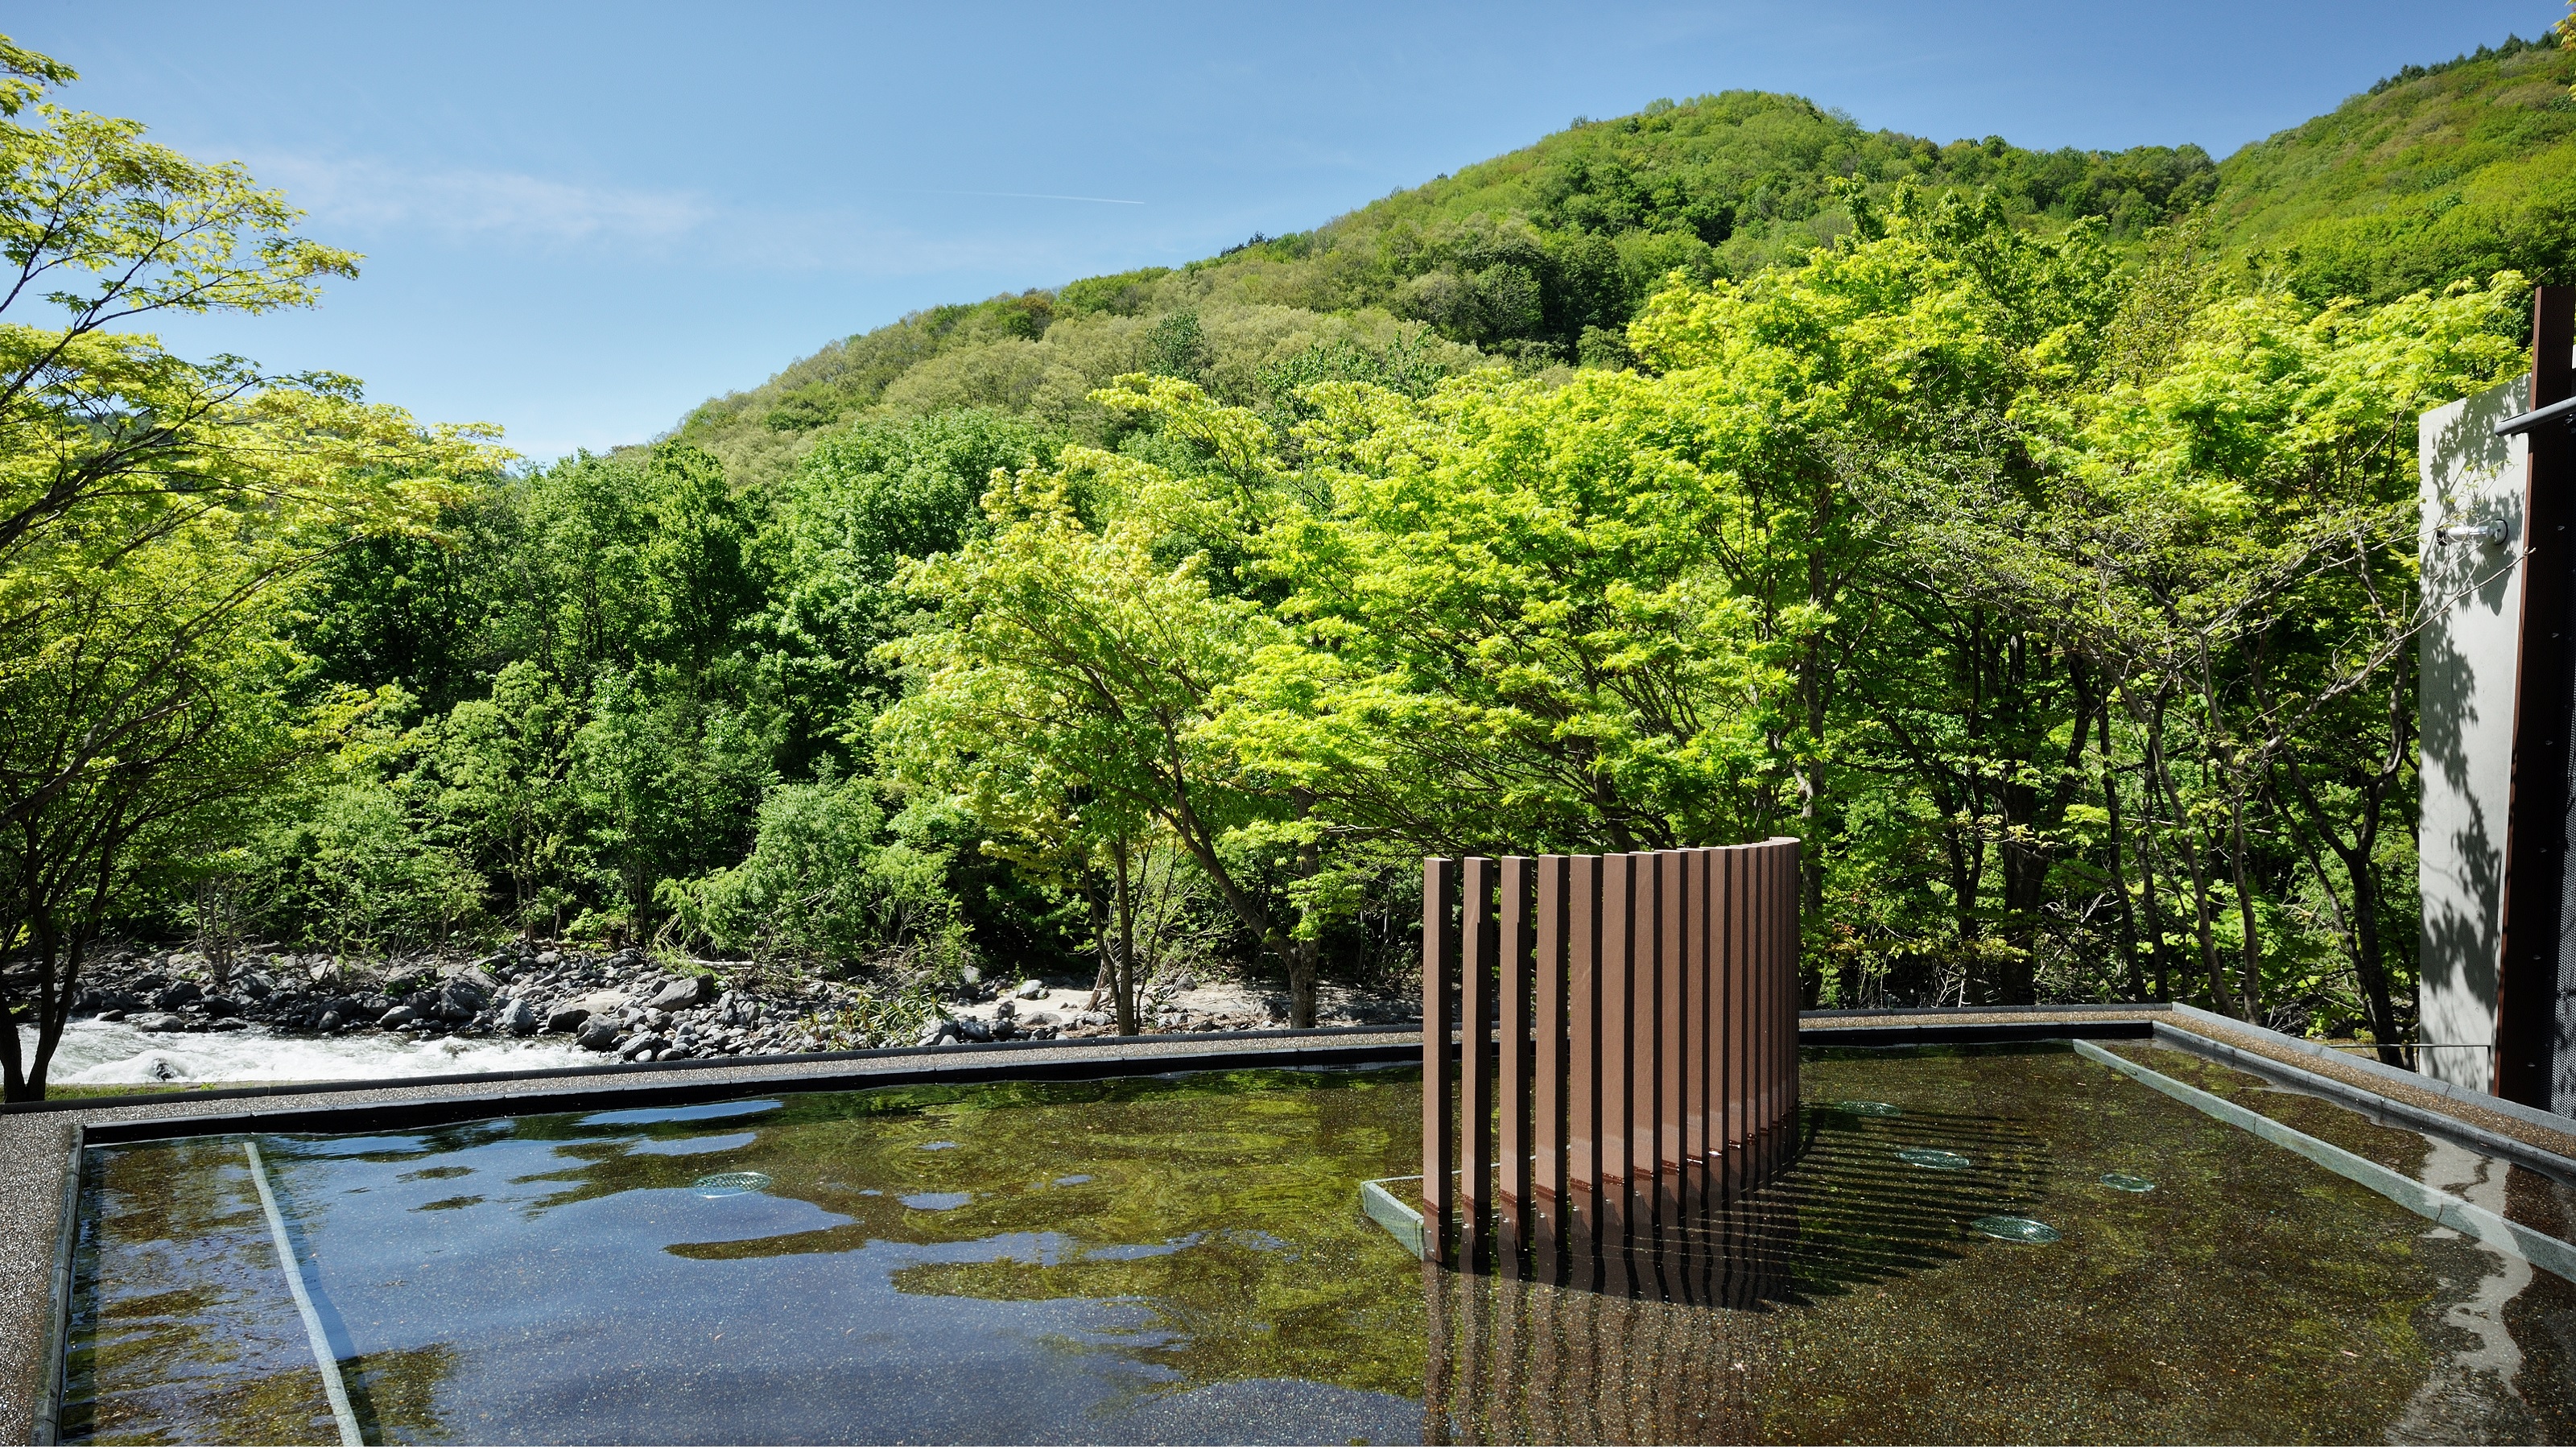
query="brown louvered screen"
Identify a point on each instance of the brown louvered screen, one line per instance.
(1627, 1058)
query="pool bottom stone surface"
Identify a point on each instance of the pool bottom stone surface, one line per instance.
(1184, 1260)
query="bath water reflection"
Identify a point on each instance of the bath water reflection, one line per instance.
(1184, 1260)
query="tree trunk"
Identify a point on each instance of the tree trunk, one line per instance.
(2119, 861)
(2253, 946)
(1123, 979)
(2221, 999)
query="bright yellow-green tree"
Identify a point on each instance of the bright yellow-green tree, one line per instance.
(153, 509)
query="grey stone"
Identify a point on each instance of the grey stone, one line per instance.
(256, 987)
(567, 1018)
(331, 1021)
(686, 992)
(113, 1013)
(600, 1034)
(162, 1022)
(515, 1017)
(643, 1047)
(549, 958)
(973, 1030)
(1031, 989)
(177, 995)
(461, 1000)
(476, 977)
(399, 1016)
(932, 1033)
(598, 1003)
(220, 1006)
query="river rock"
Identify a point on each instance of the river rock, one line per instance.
(221, 1006)
(515, 1017)
(476, 977)
(177, 995)
(599, 1003)
(567, 1018)
(643, 1047)
(686, 992)
(599, 1034)
(1031, 989)
(163, 1021)
(461, 1000)
(400, 1016)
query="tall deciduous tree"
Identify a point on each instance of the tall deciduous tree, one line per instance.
(150, 508)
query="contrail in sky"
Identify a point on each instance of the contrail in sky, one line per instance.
(1041, 196)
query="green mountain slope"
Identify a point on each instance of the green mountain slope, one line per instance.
(2434, 175)
(1538, 258)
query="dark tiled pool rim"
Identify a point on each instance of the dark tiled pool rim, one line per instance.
(41, 1143)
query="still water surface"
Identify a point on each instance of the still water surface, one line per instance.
(1183, 1259)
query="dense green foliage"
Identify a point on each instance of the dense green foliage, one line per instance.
(2437, 174)
(2031, 533)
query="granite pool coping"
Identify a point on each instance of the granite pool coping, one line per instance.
(37, 1139)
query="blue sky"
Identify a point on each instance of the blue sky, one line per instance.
(582, 220)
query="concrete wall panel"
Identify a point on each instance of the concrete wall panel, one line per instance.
(2473, 593)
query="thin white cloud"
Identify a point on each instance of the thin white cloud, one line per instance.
(350, 199)
(373, 194)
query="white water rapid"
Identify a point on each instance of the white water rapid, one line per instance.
(109, 1052)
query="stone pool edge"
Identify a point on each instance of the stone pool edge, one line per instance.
(2456, 1213)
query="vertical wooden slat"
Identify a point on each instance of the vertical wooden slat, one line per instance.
(1548, 1091)
(1618, 1045)
(1729, 999)
(1766, 1016)
(1439, 1133)
(1644, 1046)
(1478, 943)
(1771, 993)
(1672, 1053)
(1786, 1038)
(1697, 1024)
(1757, 999)
(1513, 1220)
(1583, 1066)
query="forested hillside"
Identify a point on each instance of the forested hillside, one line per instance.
(2030, 533)
(1538, 258)
(2435, 174)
